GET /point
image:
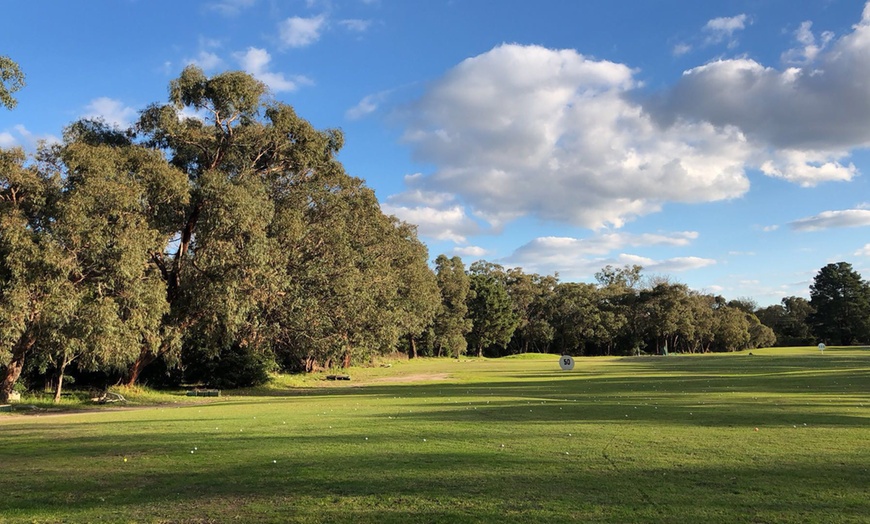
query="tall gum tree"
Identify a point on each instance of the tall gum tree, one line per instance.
(240, 151)
(33, 270)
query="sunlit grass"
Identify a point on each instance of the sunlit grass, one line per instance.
(646, 439)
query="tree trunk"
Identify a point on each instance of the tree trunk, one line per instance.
(13, 369)
(60, 372)
(479, 351)
(145, 357)
(412, 346)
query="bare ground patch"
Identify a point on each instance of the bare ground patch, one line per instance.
(420, 377)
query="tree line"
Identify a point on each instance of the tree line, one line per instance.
(217, 248)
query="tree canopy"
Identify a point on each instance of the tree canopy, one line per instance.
(11, 80)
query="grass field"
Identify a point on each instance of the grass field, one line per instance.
(620, 440)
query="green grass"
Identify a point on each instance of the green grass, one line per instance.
(647, 439)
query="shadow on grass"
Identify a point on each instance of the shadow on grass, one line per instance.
(359, 485)
(73, 470)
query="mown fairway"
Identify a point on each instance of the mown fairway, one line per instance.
(514, 440)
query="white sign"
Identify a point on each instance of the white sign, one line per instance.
(566, 362)
(821, 347)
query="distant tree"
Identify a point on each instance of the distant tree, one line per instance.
(745, 304)
(529, 294)
(493, 318)
(451, 322)
(11, 80)
(620, 299)
(840, 299)
(732, 329)
(418, 296)
(668, 314)
(575, 316)
(789, 321)
(704, 322)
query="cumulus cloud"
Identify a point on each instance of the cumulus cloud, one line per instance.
(436, 215)
(112, 111)
(804, 119)
(297, 31)
(575, 258)
(524, 130)
(475, 252)
(206, 61)
(256, 61)
(833, 219)
(864, 251)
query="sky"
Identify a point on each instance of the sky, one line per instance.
(723, 144)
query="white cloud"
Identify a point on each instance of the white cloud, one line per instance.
(365, 106)
(819, 109)
(833, 219)
(809, 47)
(7, 140)
(256, 61)
(723, 29)
(206, 61)
(20, 136)
(524, 130)
(112, 111)
(368, 105)
(681, 49)
(576, 258)
(808, 168)
(864, 251)
(475, 252)
(436, 215)
(301, 32)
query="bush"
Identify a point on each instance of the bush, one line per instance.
(235, 367)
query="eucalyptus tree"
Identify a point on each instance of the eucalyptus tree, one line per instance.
(352, 276)
(34, 289)
(529, 293)
(418, 295)
(116, 210)
(11, 80)
(668, 314)
(451, 322)
(575, 315)
(493, 319)
(620, 300)
(240, 154)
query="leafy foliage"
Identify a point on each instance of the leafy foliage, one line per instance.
(11, 80)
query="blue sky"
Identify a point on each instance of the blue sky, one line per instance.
(721, 143)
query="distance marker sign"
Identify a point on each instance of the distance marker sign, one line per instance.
(566, 362)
